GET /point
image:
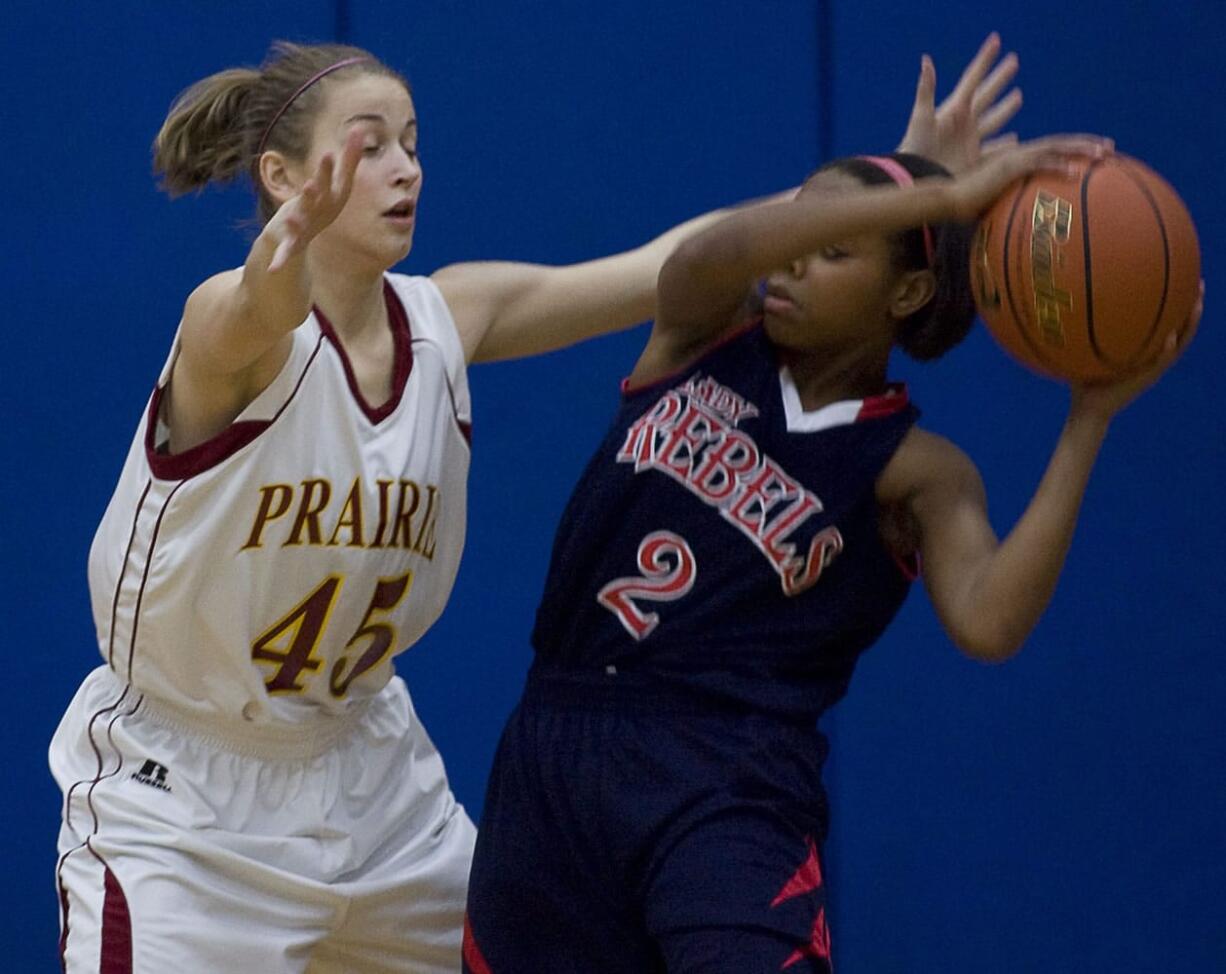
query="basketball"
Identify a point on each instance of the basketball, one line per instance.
(1082, 276)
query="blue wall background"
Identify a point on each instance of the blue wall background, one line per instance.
(1063, 812)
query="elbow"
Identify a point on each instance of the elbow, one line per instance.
(990, 644)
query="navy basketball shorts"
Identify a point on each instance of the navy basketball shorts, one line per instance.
(624, 838)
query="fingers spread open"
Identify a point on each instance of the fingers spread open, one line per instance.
(999, 115)
(978, 68)
(990, 88)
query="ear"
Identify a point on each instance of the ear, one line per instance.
(914, 290)
(280, 177)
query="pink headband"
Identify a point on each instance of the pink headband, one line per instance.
(898, 172)
(259, 149)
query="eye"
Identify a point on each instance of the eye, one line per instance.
(831, 252)
(372, 148)
(411, 152)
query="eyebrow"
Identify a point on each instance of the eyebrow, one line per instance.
(374, 117)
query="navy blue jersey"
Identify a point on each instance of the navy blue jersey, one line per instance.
(725, 542)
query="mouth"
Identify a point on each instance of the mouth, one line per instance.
(402, 214)
(777, 301)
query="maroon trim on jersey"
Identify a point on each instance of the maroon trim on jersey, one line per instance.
(123, 569)
(144, 578)
(204, 456)
(632, 390)
(59, 881)
(116, 926)
(894, 400)
(467, 430)
(402, 355)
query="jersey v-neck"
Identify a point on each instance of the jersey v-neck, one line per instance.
(402, 355)
(839, 413)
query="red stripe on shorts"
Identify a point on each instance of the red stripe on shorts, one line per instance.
(474, 962)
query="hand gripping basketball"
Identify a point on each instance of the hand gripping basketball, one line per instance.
(976, 190)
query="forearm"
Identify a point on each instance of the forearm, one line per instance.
(1017, 580)
(751, 242)
(536, 309)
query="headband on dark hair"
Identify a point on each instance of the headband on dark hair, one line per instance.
(259, 149)
(899, 173)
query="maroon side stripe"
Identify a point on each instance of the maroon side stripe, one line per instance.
(116, 928)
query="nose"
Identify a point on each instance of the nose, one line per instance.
(408, 168)
(796, 268)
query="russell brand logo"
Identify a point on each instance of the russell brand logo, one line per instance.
(153, 774)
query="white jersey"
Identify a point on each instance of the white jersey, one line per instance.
(270, 574)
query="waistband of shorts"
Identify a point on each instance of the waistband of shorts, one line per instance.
(265, 739)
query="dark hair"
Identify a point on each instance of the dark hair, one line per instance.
(947, 318)
(213, 130)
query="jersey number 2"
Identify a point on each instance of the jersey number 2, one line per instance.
(669, 570)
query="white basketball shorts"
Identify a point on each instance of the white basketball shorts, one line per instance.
(329, 850)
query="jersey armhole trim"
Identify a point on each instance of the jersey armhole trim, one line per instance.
(204, 456)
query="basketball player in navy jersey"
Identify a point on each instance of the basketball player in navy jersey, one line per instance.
(750, 524)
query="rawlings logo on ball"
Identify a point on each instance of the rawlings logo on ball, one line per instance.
(987, 294)
(1051, 220)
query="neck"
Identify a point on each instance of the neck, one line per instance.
(352, 302)
(823, 378)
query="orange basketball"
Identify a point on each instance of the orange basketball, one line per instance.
(1082, 277)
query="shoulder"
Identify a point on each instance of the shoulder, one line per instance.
(204, 301)
(924, 462)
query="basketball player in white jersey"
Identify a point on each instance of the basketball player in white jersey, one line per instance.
(247, 787)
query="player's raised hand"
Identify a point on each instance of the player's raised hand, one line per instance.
(299, 219)
(959, 131)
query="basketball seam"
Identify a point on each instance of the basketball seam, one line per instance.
(1166, 264)
(1087, 265)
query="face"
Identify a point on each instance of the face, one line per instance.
(841, 296)
(376, 225)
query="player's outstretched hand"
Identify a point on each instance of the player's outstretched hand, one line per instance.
(959, 131)
(301, 218)
(974, 191)
(1104, 400)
